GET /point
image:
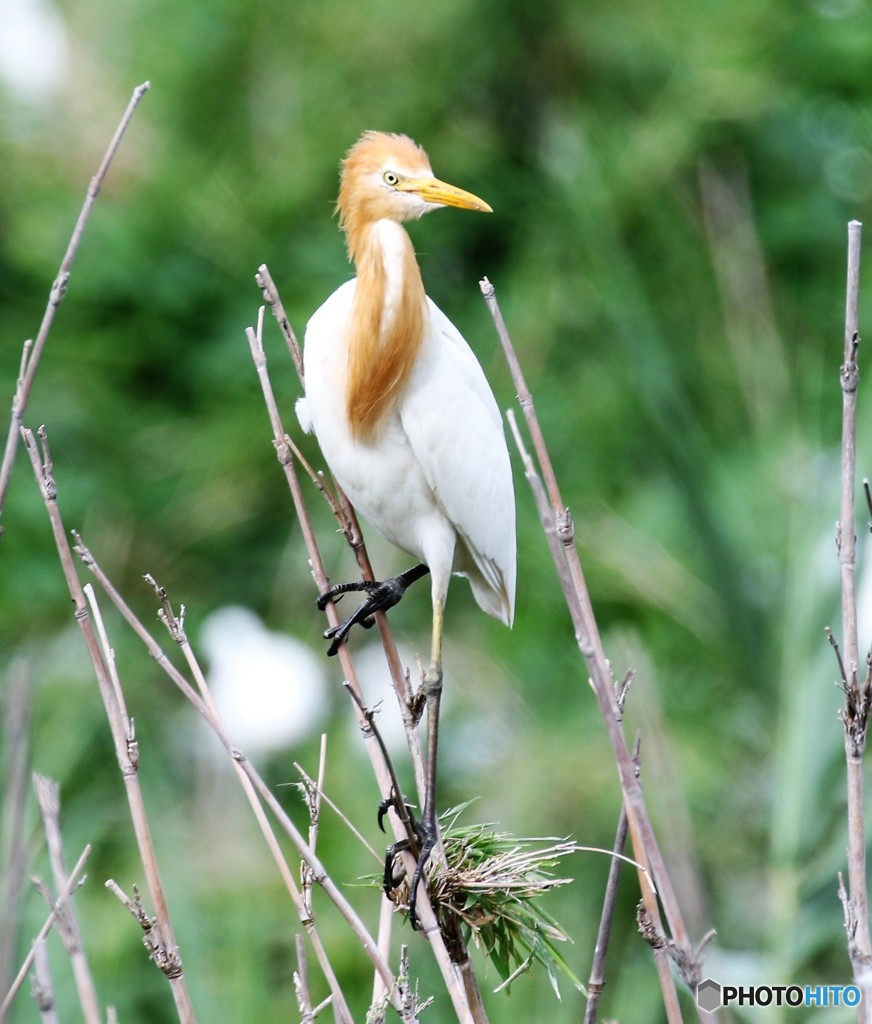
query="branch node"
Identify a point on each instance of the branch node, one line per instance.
(59, 288)
(648, 929)
(166, 960)
(622, 689)
(565, 527)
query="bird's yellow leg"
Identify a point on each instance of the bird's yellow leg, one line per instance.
(433, 695)
(436, 648)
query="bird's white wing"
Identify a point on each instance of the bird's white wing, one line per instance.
(455, 429)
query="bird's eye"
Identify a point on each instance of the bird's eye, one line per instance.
(391, 178)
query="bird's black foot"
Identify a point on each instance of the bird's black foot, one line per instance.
(413, 842)
(394, 873)
(421, 842)
(393, 877)
(381, 595)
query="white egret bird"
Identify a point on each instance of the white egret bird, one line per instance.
(404, 415)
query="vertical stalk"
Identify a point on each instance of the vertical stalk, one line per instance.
(850, 376)
(856, 711)
(48, 795)
(597, 980)
(557, 522)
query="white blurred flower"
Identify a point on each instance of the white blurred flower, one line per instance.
(34, 48)
(270, 688)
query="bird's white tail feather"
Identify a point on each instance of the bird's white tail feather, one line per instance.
(493, 593)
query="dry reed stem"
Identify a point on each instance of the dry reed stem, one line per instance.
(301, 980)
(371, 731)
(69, 929)
(274, 301)
(260, 787)
(252, 778)
(13, 845)
(458, 988)
(300, 899)
(386, 911)
(126, 749)
(855, 716)
(649, 895)
(557, 524)
(41, 988)
(66, 890)
(313, 792)
(33, 350)
(596, 982)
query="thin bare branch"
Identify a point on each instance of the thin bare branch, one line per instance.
(175, 625)
(273, 300)
(319, 791)
(33, 350)
(301, 981)
(66, 891)
(652, 932)
(348, 523)
(557, 524)
(13, 851)
(252, 779)
(597, 980)
(385, 929)
(855, 715)
(41, 987)
(834, 643)
(369, 727)
(69, 929)
(126, 749)
(314, 793)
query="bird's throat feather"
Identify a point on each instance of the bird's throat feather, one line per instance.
(385, 333)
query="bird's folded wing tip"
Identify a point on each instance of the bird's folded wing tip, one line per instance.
(303, 415)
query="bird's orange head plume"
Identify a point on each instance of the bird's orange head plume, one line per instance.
(386, 177)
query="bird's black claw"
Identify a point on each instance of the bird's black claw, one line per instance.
(390, 880)
(400, 804)
(336, 592)
(383, 807)
(381, 595)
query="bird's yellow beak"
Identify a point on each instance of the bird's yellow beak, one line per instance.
(432, 190)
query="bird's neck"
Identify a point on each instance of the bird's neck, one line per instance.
(387, 323)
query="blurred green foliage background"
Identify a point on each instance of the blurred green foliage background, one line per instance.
(671, 185)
